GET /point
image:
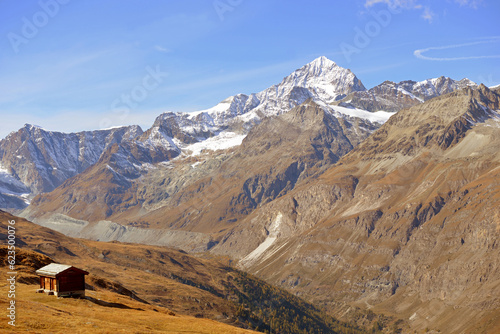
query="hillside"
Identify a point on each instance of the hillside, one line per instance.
(101, 312)
(405, 224)
(153, 282)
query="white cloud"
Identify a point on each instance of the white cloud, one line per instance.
(471, 3)
(420, 52)
(428, 15)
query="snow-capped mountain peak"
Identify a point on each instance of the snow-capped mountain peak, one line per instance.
(323, 60)
(319, 65)
(39, 160)
(391, 96)
(438, 86)
(325, 79)
(321, 80)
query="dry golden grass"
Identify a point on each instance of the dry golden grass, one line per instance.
(115, 271)
(100, 312)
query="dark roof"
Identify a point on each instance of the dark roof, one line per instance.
(55, 269)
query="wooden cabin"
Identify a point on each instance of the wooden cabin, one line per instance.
(62, 280)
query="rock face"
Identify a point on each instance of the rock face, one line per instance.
(406, 223)
(390, 96)
(34, 160)
(277, 154)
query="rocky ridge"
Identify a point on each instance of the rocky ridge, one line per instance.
(275, 156)
(34, 160)
(220, 127)
(391, 96)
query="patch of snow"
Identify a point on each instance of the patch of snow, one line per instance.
(25, 198)
(7, 179)
(223, 140)
(374, 117)
(147, 166)
(196, 164)
(405, 92)
(35, 126)
(158, 138)
(115, 127)
(220, 107)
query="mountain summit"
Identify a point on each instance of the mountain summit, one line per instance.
(325, 79)
(34, 160)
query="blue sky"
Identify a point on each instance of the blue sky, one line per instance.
(71, 65)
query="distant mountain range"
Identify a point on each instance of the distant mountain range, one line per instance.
(34, 160)
(383, 199)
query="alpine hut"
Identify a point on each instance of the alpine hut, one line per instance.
(62, 280)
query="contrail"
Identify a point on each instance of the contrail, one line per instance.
(419, 53)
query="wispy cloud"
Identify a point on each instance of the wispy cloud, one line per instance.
(70, 80)
(405, 4)
(409, 4)
(428, 15)
(470, 3)
(19, 81)
(162, 49)
(420, 52)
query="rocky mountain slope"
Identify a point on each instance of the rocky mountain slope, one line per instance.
(128, 172)
(406, 224)
(154, 289)
(198, 194)
(391, 96)
(34, 160)
(391, 225)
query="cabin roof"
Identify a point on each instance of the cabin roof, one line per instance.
(55, 269)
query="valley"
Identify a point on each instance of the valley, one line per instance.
(349, 209)
(154, 289)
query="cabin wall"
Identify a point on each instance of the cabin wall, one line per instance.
(71, 283)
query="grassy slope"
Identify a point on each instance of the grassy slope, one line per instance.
(102, 312)
(131, 277)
